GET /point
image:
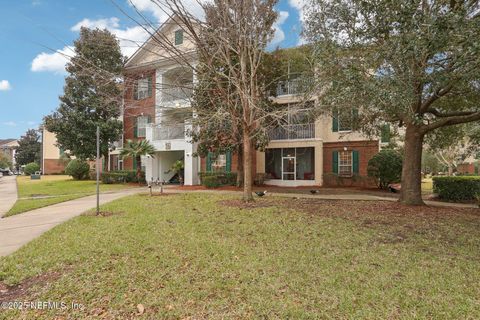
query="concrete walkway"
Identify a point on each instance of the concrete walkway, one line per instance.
(17, 230)
(8, 193)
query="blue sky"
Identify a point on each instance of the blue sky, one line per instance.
(32, 74)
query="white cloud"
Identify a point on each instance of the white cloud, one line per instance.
(10, 123)
(109, 23)
(299, 5)
(279, 34)
(193, 6)
(5, 85)
(149, 6)
(53, 62)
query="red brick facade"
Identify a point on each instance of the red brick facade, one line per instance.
(234, 165)
(468, 168)
(366, 150)
(53, 166)
(134, 108)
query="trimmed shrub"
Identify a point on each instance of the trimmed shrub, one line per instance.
(211, 181)
(456, 188)
(114, 177)
(78, 169)
(385, 167)
(122, 176)
(31, 168)
(222, 178)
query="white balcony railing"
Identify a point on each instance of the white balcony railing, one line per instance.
(176, 93)
(168, 132)
(295, 86)
(293, 132)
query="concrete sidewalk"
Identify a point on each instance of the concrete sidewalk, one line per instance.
(17, 230)
(8, 193)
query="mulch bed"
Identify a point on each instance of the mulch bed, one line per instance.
(238, 203)
(21, 290)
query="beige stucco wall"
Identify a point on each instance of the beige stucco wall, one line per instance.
(50, 149)
(152, 52)
(323, 130)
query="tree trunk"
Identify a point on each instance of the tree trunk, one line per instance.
(450, 169)
(139, 169)
(239, 167)
(411, 192)
(247, 167)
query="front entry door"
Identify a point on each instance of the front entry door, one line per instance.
(288, 168)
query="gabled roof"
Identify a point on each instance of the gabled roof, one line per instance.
(140, 50)
(6, 141)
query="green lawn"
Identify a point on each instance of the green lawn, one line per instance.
(57, 188)
(427, 186)
(190, 257)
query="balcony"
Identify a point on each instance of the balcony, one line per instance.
(168, 132)
(177, 94)
(293, 132)
(290, 87)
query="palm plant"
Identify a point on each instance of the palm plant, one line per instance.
(178, 167)
(135, 150)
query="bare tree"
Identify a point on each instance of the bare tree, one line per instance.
(229, 45)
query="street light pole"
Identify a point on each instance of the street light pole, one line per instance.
(98, 170)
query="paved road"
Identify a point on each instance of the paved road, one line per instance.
(17, 230)
(8, 193)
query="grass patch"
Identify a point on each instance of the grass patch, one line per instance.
(34, 194)
(427, 186)
(197, 256)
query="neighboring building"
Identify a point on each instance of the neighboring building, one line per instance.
(471, 165)
(52, 160)
(8, 147)
(321, 152)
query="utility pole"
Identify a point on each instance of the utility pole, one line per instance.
(98, 170)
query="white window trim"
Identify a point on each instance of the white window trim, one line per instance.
(340, 165)
(219, 163)
(142, 126)
(142, 88)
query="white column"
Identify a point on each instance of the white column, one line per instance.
(148, 161)
(191, 162)
(158, 94)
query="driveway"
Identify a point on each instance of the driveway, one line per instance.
(8, 193)
(17, 230)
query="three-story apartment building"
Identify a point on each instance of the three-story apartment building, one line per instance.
(321, 151)
(157, 105)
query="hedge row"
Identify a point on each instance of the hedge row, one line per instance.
(122, 176)
(217, 179)
(457, 188)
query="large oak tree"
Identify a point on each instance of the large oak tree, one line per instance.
(413, 63)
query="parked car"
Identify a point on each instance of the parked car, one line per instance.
(6, 172)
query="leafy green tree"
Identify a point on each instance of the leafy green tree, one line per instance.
(411, 63)
(135, 150)
(28, 148)
(92, 96)
(4, 161)
(452, 145)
